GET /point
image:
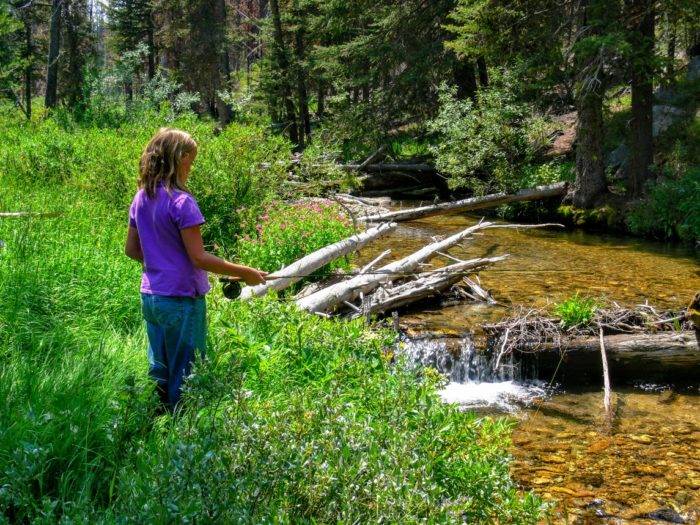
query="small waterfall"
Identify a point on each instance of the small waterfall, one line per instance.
(473, 381)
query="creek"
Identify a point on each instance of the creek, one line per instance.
(642, 468)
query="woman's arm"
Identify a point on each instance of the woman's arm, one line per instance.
(132, 249)
(192, 238)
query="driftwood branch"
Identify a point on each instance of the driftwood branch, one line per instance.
(312, 262)
(606, 376)
(473, 203)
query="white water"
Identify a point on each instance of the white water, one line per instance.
(507, 396)
(473, 382)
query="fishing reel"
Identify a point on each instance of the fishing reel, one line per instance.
(231, 287)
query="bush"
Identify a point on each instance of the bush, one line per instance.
(286, 233)
(576, 311)
(226, 179)
(671, 210)
(482, 145)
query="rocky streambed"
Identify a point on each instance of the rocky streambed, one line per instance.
(643, 466)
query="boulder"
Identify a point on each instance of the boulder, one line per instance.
(664, 117)
(693, 72)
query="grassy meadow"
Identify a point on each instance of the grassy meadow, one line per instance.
(292, 418)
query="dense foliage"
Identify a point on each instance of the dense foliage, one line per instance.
(285, 233)
(291, 418)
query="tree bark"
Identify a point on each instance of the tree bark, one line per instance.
(590, 167)
(316, 260)
(473, 203)
(465, 79)
(283, 64)
(28, 71)
(51, 97)
(305, 124)
(483, 72)
(642, 140)
(150, 40)
(663, 356)
(224, 111)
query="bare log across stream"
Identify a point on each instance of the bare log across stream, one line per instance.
(473, 203)
(425, 285)
(663, 356)
(328, 299)
(312, 262)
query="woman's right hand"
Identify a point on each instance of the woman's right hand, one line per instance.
(251, 276)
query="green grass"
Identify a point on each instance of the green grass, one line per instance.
(293, 418)
(576, 311)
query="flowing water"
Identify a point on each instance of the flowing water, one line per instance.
(644, 466)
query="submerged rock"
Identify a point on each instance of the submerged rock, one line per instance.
(665, 514)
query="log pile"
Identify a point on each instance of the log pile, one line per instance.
(388, 287)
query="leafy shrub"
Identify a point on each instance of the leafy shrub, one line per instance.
(671, 210)
(576, 310)
(226, 179)
(286, 233)
(482, 145)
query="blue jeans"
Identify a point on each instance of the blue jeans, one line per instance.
(177, 329)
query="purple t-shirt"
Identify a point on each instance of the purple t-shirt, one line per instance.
(167, 267)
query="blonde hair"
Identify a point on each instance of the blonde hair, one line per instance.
(161, 160)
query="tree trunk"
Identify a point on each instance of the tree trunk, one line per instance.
(74, 82)
(321, 99)
(465, 79)
(316, 260)
(662, 356)
(590, 166)
(426, 285)
(305, 125)
(283, 64)
(473, 203)
(642, 140)
(483, 72)
(54, 47)
(150, 40)
(224, 111)
(327, 299)
(28, 71)
(671, 51)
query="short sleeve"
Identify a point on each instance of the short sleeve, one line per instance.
(185, 212)
(132, 213)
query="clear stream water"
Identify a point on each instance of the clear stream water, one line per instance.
(645, 467)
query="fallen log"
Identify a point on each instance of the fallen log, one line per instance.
(406, 168)
(327, 299)
(36, 214)
(425, 285)
(662, 356)
(473, 203)
(312, 262)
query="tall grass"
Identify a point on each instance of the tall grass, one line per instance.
(292, 418)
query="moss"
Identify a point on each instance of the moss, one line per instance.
(607, 216)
